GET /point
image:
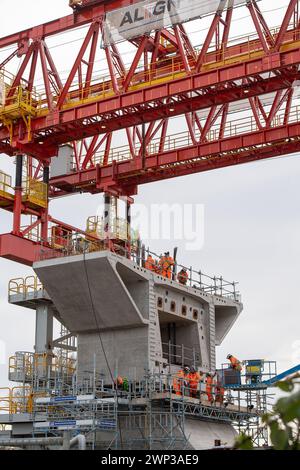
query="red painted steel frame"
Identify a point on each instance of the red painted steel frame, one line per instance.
(167, 77)
(128, 106)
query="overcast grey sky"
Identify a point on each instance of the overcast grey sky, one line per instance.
(251, 226)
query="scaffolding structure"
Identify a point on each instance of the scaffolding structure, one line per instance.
(148, 414)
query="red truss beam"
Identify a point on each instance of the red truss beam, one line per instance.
(213, 139)
(122, 178)
(174, 79)
(66, 23)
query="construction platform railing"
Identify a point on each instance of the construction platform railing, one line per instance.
(16, 400)
(34, 192)
(77, 244)
(24, 286)
(94, 395)
(6, 188)
(119, 229)
(233, 127)
(17, 102)
(252, 374)
(238, 49)
(179, 354)
(27, 367)
(20, 103)
(72, 243)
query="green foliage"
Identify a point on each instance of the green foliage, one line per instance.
(284, 421)
(243, 442)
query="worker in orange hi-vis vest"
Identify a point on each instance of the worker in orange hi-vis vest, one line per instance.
(210, 387)
(194, 379)
(166, 263)
(170, 264)
(161, 265)
(181, 380)
(183, 277)
(177, 382)
(150, 263)
(235, 363)
(220, 392)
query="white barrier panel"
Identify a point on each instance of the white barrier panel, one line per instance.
(143, 17)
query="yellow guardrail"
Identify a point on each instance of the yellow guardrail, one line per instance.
(118, 229)
(35, 192)
(17, 103)
(16, 400)
(24, 286)
(183, 139)
(170, 68)
(238, 49)
(6, 188)
(29, 365)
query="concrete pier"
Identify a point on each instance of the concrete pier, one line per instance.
(147, 323)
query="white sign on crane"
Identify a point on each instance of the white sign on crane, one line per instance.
(146, 16)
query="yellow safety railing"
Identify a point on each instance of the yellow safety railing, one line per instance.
(16, 400)
(6, 188)
(35, 192)
(118, 228)
(26, 366)
(26, 104)
(21, 399)
(237, 50)
(183, 139)
(20, 366)
(5, 400)
(17, 102)
(24, 285)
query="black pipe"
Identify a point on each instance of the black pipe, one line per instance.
(19, 168)
(46, 175)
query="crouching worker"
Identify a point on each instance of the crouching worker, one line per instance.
(235, 363)
(121, 383)
(183, 277)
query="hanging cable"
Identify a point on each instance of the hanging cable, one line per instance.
(102, 344)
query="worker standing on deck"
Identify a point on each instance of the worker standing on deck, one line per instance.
(181, 380)
(194, 379)
(160, 266)
(220, 390)
(210, 384)
(167, 262)
(183, 277)
(235, 363)
(150, 263)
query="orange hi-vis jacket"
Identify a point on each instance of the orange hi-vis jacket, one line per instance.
(167, 264)
(182, 277)
(150, 263)
(178, 382)
(235, 363)
(194, 379)
(209, 387)
(161, 264)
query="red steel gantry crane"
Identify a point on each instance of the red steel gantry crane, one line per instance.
(167, 77)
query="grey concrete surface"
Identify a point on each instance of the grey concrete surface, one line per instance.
(135, 314)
